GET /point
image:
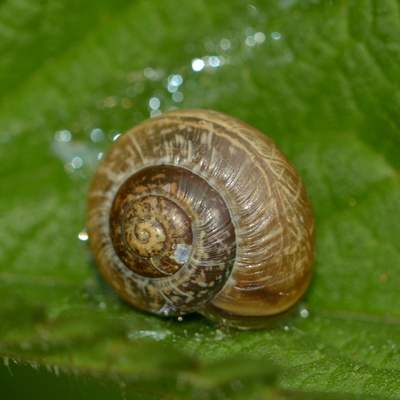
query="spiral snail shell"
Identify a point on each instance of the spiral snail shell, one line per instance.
(195, 210)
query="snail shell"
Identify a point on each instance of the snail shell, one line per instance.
(197, 211)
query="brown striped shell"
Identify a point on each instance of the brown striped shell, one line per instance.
(195, 210)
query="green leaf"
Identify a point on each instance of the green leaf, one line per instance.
(319, 77)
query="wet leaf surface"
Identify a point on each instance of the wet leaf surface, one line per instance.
(319, 77)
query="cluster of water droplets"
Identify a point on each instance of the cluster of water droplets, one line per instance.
(82, 139)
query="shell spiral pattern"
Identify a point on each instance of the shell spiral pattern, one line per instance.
(194, 210)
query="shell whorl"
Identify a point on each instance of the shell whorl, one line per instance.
(197, 211)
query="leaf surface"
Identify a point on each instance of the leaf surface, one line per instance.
(318, 77)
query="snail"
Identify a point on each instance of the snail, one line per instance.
(197, 211)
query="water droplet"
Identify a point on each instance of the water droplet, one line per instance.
(172, 88)
(97, 135)
(250, 41)
(69, 168)
(154, 113)
(249, 31)
(83, 235)
(149, 72)
(156, 335)
(77, 162)
(304, 313)
(176, 80)
(126, 103)
(111, 101)
(63, 136)
(197, 64)
(214, 61)
(276, 35)
(154, 103)
(225, 44)
(177, 96)
(259, 37)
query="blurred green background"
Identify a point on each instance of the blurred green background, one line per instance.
(319, 77)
